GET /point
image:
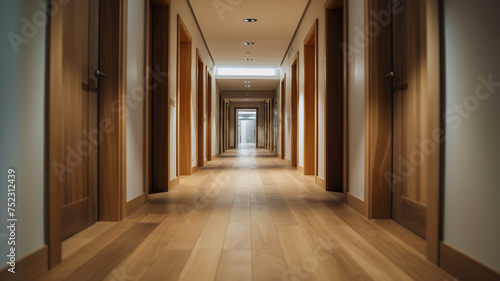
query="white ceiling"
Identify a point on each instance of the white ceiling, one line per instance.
(222, 25)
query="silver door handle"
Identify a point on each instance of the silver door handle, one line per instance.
(99, 74)
(391, 74)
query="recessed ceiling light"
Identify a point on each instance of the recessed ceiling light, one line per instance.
(250, 20)
(249, 43)
(248, 59)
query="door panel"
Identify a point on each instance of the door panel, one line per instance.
(409, 58)
(160, 100)
(80, 59)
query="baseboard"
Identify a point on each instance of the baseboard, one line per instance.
(215, 156)
(288, 161)
(300, 169)
(173, 183)
(278, 155)
(261, 147)
(135, 204)
(194, 169)
(231, 147)
(30, 267)
(205, 162)
(321, 182)
(356, 203)
(463, 267)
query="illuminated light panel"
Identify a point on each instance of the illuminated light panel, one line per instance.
(248, 72)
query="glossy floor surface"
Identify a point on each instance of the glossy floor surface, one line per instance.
(245, 216)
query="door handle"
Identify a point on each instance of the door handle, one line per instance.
(98, 73)
(391, 74)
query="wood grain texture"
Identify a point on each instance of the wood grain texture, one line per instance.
(113, 110)
(356, 203)
(135, 204)
(200, 112)
(378, 117)
(159, 100)
(310, 100)
(209, 116)
(283, 116)
(294, 117)
(246, 216)
(184, 58)
(56, 132)
(334, 101)
(30, 267)
(464, 267)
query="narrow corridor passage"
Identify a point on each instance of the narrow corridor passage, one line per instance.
(245, 216)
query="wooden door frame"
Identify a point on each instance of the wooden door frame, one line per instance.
(294, 104)
(312, 36)
(113, 118)
(182, 30)
(283, 111)
(209, 114)
(378, 113)
(148, 99)
(256, 125)
(200, 110)
(343, 106)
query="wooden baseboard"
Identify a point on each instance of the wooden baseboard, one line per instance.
(231, 147)
(464, 267)
(321, 182)
(300, 168)
(215, 156)
(135, 204)
(356, 203)
(261, 147)
(30, 267)
(194, 169)
(288, 162)
(278, 155)
(205, 162)
(173, 183)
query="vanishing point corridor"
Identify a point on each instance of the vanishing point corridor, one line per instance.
(246, 216)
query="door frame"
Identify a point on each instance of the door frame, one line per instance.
(183, 36)
(200, 110)
(148, 97)
(283, 111)
(378, 116)
(311, 103)
(209, 114)
(294, 111)
(112, 182)
(256, 125)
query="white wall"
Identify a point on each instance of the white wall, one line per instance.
(22, 113)
(135, 97)
(181, 7)
(356, 98)
(472, 178)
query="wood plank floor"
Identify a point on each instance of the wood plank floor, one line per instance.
(245, 216)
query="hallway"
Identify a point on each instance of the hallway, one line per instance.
(245, 216)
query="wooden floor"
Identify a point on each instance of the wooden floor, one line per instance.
(245, 216)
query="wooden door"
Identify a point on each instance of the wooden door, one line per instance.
(160, 100)
(409, 117)
(80, 106)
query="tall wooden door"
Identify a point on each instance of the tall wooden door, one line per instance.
(160, 100)
(409, 86)
(80, 102)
